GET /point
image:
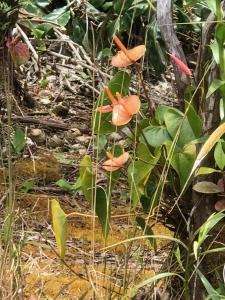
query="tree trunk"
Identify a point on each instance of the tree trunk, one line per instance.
(165, 22)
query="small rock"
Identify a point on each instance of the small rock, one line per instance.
(45, 96)
(61, 109)
(45, 101)
(122, 143)
(115, 136)
(77, 147)
(72, 134)
(83, 139)
(55, 141)
(30, 143)
(85, 126)
(82, 151)
(126, 131)
(38, 136)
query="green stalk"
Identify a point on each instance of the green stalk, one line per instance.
(187, 273)
(10, 196)
(219, 15)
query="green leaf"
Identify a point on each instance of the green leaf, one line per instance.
(100, 142)
(113, 27)
(222, 108)
(195, 121)
(212, 5)
(213, 294)
(102, 121)
(207, 187)
(156, 135)
(44, 27)
(97, 3)
(147, 230)
(60, 16)
(32, 8)
(207, 226)
(60, 224)
(103, 210)
(220, 34)
(133, 290)
(178, 257)
(120, 5)
(175, 121)
(215, 50)
(155, 51)
(87, 178)
(139, 172)
(160, 113)
(27, 186)
(219, 156)
(77, 184)
(209, 144)
(205, 170)
(104, 53)
(215, 85)
(183, 162)
(65, 185)
(19, 140)
(37, 244)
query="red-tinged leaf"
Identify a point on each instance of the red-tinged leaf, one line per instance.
(184, 68)
(220, 205)
(19, 52)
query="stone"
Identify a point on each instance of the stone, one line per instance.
(115, 136)
(61, 109)
(77, 147)
(38, 136)
(72, 134)
(82, 151)
(55, 141)
(83, 139)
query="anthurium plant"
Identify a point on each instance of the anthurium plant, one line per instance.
(149, 144)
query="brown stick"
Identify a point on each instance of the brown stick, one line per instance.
(42, 122)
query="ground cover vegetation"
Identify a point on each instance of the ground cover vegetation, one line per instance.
(112, 149)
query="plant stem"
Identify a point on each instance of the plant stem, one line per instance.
(219, 16)
(187, 273)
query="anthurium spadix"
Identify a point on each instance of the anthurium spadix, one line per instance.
(122, 109)
(115, 163)
(126, 57)
(181, 65)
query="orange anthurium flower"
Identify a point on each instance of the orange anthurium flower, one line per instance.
(122, 109)
(126, 57)
(115, 163)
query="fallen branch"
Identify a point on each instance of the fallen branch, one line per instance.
(42, 122)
